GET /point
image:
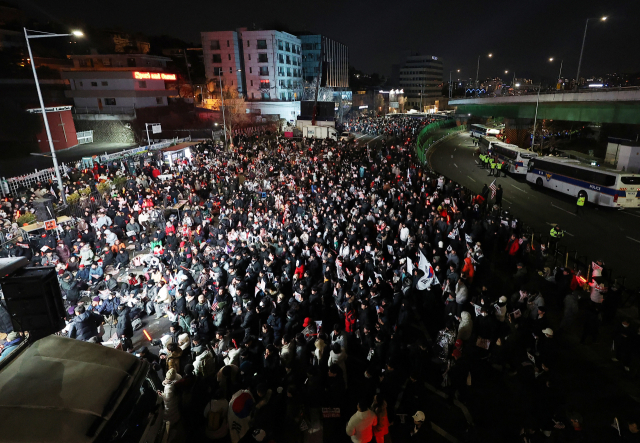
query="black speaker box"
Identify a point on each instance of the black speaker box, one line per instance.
(44, 209)
(34, 301)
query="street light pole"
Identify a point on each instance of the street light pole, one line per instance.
(584, 38)
(42, 107)
(535, 120)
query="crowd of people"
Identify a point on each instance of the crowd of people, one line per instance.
(328, 279)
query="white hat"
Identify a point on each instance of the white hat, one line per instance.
(548, 331)
(418, 416)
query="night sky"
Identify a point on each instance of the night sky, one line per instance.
(521, 35)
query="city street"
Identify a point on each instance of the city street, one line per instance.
(609, 235)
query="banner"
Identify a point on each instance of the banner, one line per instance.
(240, 408)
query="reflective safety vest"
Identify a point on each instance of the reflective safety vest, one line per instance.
(499, 165)
(556, 234)
(581, 201)
(493, 165)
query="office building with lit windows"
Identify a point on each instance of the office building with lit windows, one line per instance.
(420, 76)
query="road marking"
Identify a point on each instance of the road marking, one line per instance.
(507, 200)
(476, 162)
(638, 241)
(520, 189)
(632, 215)
(471, 179)
(558, 207)
(568, 233)
(455, 165)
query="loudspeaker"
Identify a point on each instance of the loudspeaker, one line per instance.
(44, 209)
(34, 301)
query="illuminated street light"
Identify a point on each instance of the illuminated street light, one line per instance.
(78, 33)
(41, 34)
(584, 37)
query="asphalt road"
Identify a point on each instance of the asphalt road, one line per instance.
(601, 233)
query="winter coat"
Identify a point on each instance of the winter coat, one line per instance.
(204, 364)
(461, 293)
(171, 401)
(124, 325)
(466, 326)
(85, 326)
(468, 270)
(340, 360)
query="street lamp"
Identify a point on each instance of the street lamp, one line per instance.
(584, 37)
(559, 84)
(41, 34)
(478, 71)
(535, 120)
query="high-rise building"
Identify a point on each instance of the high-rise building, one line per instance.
(335, 64)
(420, 76)
(263, 65)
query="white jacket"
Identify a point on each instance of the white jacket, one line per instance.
(466, 326)
(171, 401)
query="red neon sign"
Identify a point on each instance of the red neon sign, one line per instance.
(153, 76)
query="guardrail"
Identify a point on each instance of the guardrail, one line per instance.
(85, 137)
(142, 149)
(121, 110)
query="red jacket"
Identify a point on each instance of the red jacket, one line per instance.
(512, 247)
(468, 270)
(349, 321)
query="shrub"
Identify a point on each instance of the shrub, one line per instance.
(27, 219)
(73, 198)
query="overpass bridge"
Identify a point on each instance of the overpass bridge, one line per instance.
(601, 106)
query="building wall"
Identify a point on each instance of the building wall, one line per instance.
(226, 45)
(63, 131)
(107, 131)
(287, 110)
(99, 90)
(421, 76)
(335, 67)
(239, 60)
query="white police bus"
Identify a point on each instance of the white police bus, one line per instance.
(514, 158)
(478, 131)
(601, 186)
(485, 144)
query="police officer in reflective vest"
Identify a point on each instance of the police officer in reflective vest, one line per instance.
(555, 235)
(498, 168)
(580, 204)
(492, 164)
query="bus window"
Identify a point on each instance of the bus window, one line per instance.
(630, 180)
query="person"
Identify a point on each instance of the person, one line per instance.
(381, 429)
(499, 192)
(498, 168)
(360, 426)
(622, 344)
(85, 324)
(555, 235)
(417, 430)
(216, 415)
(170, 397)
(13, 340)
(124, 327)
(580, 204)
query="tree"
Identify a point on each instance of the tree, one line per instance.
(235, 108)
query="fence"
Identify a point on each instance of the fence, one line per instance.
(429, 138)
(12, 186)
(84, 137)
(559, 254)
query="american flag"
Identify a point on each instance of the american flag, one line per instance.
(214, 306)
(493, 188)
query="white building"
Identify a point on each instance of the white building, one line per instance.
(118, 92)
(263, 65)
(118, 83)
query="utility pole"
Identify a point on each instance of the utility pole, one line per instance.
(535, 120)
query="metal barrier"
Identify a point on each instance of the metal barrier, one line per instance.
(84, 137)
